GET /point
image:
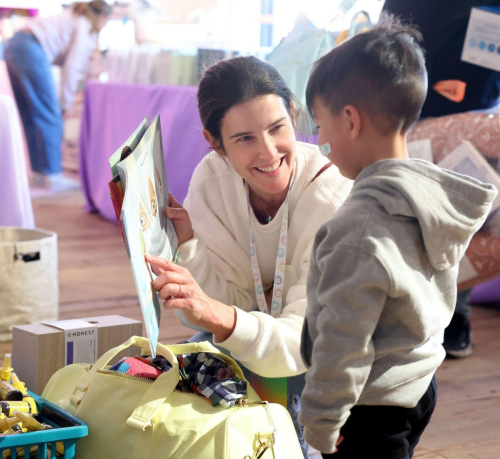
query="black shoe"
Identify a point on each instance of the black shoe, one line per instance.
(457, 337)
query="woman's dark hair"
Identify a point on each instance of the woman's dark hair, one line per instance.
(233, 82)
(92, 10)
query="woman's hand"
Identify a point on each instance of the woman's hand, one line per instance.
(180, 219)
(178, 289)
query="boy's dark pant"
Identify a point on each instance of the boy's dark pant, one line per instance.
(385, 432)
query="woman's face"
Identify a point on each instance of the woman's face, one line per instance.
(259, 140)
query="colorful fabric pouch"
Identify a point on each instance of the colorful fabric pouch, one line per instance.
(136, 366)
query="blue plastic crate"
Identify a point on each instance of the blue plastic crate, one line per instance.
(67, 429)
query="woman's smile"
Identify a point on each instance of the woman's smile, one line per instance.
(268, 170)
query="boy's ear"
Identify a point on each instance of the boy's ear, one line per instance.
(213, 142)
(353, 118)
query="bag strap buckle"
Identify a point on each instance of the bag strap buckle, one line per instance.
(74, 400)
(264, 445)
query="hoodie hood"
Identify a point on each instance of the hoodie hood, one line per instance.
(448, 206)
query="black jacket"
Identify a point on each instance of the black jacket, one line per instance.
(443, 24)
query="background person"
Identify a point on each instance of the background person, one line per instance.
(66, 40)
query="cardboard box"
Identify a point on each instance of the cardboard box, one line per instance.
(38, 350)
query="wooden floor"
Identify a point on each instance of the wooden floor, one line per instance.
(95, 279)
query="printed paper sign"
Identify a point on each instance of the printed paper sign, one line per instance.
(482, 41)
(80, 340)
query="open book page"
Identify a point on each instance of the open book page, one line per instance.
(145, 227)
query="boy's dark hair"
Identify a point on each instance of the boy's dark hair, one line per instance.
(235, 81)
(381, 71)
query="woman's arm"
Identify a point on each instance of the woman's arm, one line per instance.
(270, 346)
(267, 346)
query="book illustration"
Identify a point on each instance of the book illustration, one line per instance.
(143, 218)
(152, 198)
(140, 173)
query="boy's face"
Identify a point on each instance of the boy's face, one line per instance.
(336, 130)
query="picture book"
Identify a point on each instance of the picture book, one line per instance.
(139, 192)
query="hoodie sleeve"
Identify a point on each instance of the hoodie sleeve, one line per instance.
(347, 289)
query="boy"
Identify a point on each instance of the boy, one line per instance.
(383, 276)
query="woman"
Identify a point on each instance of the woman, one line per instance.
(66, 40)
(249, 220)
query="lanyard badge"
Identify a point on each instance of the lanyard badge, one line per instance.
(279, 274)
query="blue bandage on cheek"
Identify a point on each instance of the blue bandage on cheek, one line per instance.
(325, 149)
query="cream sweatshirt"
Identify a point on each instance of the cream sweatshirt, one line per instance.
(68, 41)
(219, 254)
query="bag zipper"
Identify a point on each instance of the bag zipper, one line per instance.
(123, 375)
(140, 378)
(245, 402)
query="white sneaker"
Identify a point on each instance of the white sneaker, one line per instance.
(59, 182)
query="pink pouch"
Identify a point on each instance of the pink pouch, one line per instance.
(136, 366)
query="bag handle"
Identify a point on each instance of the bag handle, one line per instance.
(155, 396)
(84, 384)
(162, 387)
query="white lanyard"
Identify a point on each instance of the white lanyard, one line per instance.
(279, 274)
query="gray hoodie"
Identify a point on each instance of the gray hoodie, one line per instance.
(382, 288)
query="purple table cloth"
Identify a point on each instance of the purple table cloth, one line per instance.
(489, 292)
(113, 111)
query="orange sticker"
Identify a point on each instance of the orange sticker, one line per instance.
(451, 89)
